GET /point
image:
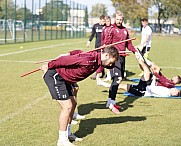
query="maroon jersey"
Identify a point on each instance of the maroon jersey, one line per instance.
(163, 81)
(118, 34)
(105, 32)
(74, 68)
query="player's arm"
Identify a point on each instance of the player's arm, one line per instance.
(129, 44)
(91, 36)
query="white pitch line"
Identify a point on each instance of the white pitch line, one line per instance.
(16, 61)
(39, 48)
(23, 109)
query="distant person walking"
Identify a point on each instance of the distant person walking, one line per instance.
(97, 30)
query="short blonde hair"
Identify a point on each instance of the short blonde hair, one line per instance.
(119, 13)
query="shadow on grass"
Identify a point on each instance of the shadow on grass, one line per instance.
(87, 126)
(127, 103)
(85, 109)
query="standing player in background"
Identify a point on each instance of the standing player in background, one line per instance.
(146, 36)
(105, 32)
(117, 33)
(97, 30)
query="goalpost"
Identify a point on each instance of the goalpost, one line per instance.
(11, 28)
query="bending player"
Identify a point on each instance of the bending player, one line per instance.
(61, 73)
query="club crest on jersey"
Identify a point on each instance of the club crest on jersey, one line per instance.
(125, 32)
(117, 30)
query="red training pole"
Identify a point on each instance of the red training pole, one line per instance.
(42, 61)
(30, 72)
(104, 46)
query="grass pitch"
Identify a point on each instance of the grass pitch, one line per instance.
(29, 117)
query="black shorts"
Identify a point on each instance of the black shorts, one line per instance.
(145, 49)
(119, 68)
(139, 90)
(57, 86)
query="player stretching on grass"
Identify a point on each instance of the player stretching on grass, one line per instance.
(61, 73)
(147, 85)
(161, 80)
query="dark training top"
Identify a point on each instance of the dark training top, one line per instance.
(76, 67)
(96, 29)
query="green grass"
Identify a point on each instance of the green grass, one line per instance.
(28, 115)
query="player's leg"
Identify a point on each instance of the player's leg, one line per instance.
(59, 92)
(116, 80)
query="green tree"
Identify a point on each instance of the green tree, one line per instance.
(168, 9)
(56, 11)
(133, 9)
(21, 12)
(86, 17)
(7, 10)
(98, 9)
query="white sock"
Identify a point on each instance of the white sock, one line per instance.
(108, 102)
(62, 136)
(108, 74)
(111, 106)
(113, 102)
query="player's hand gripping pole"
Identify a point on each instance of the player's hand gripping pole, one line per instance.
(96, 49)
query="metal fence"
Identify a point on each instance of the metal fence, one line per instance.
(37, 20)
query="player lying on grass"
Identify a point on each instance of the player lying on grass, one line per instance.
(147, 85)
(161, 80)
(61, 73)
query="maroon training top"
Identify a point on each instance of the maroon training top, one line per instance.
(163, 81)
(118, 34)
(105, 32)
(76, 67)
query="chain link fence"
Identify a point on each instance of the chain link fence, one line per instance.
(32, 20)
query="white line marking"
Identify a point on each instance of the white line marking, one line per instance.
(23, 109)
(45, 47)
(16, 61)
